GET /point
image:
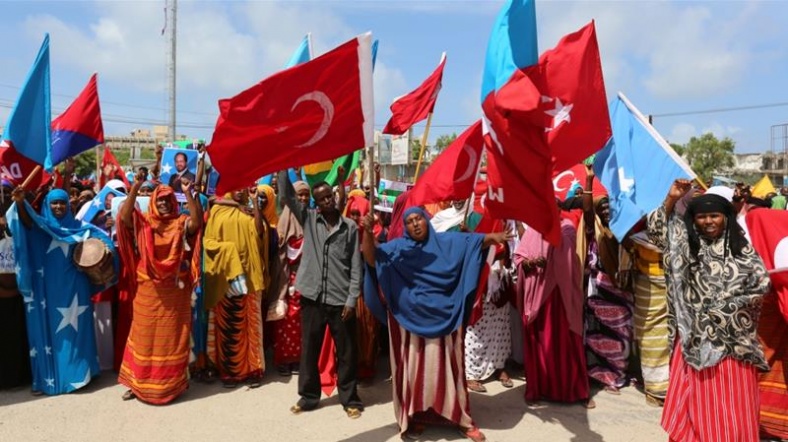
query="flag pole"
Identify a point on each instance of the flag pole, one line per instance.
(98, 168)
(473, 192)
(31, 176)
(371, 175)
(423, 145)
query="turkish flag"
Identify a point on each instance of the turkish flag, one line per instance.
(572, 112)
(769, 236)
(16, 167)
(312, 112)
(545, 120)
(564, 181)
(409, 109)
(452, 175)
(110, 169)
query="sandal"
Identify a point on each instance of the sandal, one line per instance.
(284, 370)
(353, 412)
(654, 402)
(506, 381)
(477, 387)
(296, 409)
(128, 395)
(473, 433)
(589, 404)
(612, 390)
(255, 382)
(229, 384)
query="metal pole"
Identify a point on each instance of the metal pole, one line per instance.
(171, 71)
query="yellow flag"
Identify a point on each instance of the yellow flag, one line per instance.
(763, 187)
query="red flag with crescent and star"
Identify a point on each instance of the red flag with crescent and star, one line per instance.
(768, 231)
(546, 119)
(452, 175)
(312, 112)
(409, 109)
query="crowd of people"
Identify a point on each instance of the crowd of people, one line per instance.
(325, 281)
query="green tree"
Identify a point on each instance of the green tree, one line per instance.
(415, 148)
(678, 148)
(707, 155)
(85, 163)
(443, 142)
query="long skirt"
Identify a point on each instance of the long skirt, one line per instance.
(608, 331)
(157, 352)
(488, 343)
(773, 332)
(716, 404)
(287, 344)
(366, 339)
(555, 359)
(14, 350)
(235, 338)
(428, 378)
(651, 333)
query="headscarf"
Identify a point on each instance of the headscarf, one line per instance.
(430, 285)
(117, 185)
(300, 185)
(448, 218)
(269, 211)
(397, 220)
(147, 185)
(156, 219)
(711, 203)
(68, 221)
(359, 203)
(356, 192)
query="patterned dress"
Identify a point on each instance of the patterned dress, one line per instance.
(714, 306)
(488, 342)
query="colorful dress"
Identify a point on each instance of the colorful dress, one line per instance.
(715, 301)
(166, 260)
(234, 283)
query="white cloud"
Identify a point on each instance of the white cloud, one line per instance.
(389, 83)
(681, 133)
(673, 50)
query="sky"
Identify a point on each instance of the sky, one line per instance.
(667, 57)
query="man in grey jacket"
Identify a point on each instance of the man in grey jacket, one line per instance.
(329, 279)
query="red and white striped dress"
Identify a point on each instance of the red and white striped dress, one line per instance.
(716, 404)
(428, 378)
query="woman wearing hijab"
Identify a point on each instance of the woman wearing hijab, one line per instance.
(56, 293)
(162, 246)
(610, 303)
(428, 284)
(550, 299)
(287, 341)
(366, 325)
(716, 284)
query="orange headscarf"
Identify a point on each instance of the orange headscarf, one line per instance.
(165, 230)
(269, 211)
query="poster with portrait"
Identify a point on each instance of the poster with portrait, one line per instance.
(177, 164)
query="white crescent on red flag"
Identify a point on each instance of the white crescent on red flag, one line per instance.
(452, 175)
(316, 111)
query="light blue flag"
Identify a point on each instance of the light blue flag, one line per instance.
(28, 126)
(302, 54)
(512, 44)
(637, 167)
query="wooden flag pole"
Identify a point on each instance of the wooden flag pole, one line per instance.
(371, 173)
(423, 145)
(98, 168)
(31, 176)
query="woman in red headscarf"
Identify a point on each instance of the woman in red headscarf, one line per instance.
(367, 326)
(162, 246)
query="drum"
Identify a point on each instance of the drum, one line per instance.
(93, 258)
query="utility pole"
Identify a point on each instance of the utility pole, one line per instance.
(172, 23)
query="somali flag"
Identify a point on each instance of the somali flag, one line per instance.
(59, 311)
(637, 167)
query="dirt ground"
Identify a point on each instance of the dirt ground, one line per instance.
(211, 412)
